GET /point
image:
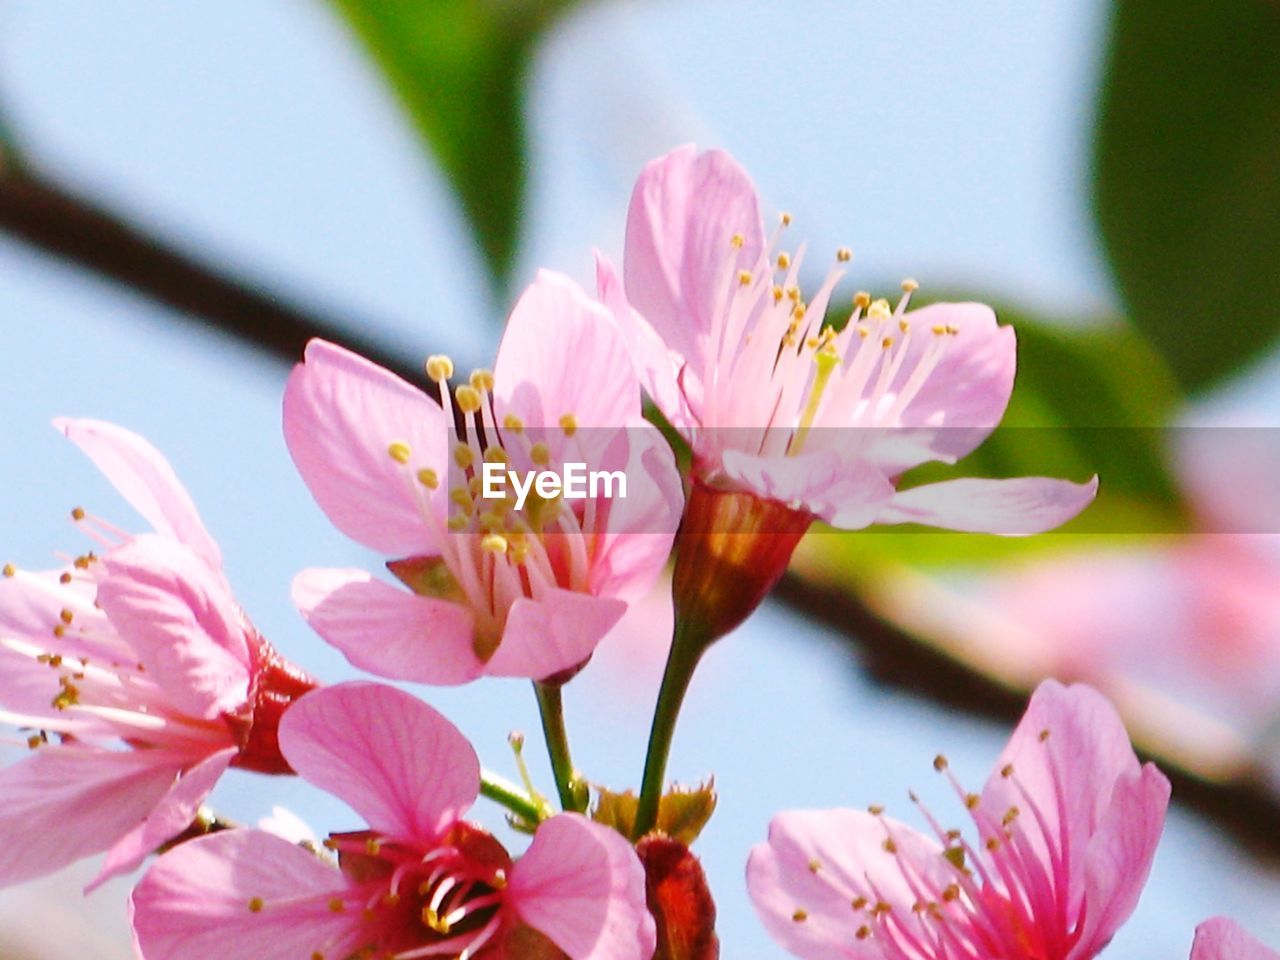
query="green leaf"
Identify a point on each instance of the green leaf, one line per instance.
(682, 811)
(1187, 188)
(1086, 400)
(458, 68)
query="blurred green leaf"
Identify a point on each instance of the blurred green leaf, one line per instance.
(1187, 186)
(458, 67)
(1086, 400)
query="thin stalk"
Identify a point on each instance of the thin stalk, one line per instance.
(687, 647)
(506, 794)
(551, 708)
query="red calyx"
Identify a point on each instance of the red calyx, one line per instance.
(277, 683)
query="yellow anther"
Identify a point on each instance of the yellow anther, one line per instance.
(800, 916)
(814, 865)
(468, 398)
(519, 551)
(399, 452)
(863, 932)
(880, 310)
(875, 809)
(499, 880)
(784, 261)
(864, 332)
(862, 299)
(798, 311)
(904, 324)
(952, 330)
(496, 455)
(744, 278)
(737, 241)
(463, 456)
(513, 423)
(886, 343)
(256, 904)
(940, 763)
(844, 254)
(777, 294)
(482, 380)
(458, 522)
(785, 218)
(490, 521)
(64, 579)
(569, 424)
(540, 454)
(1044, 735)
(372, 847)
(859, 902)
(889, 846)
(1006, 771)
(909, 286)
(951, 892)
(971, 800)
(336, 905)
(439, 368)
(77, 514)
(793, 294)
(993, 844)
(494, 543)
(60, 630)
(10, 570)
(66, 616)
(461, 497)
(812, 343)
(428, 478)
(35, 741)
(939, 329)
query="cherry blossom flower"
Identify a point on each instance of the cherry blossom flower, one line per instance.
(419, 882)
(777, 404)
(1223, 939)
(1067, 826)
(495, 588)
(140, 676)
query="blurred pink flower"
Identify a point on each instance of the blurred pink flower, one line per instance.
(420, 882)
(145, 670)
(775, 403)
(1067, 826)
(1223, 939)
(496, 590)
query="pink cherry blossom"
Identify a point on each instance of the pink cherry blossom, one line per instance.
(138, 673)
(494, 589)
(777, 404)
(420, 881)
(1067, 826)
(1223, 939)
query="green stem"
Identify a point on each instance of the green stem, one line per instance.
(551, 707)
(506, 794)
(687, 647)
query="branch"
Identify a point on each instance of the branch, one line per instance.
(56, 221)
(1245, 807)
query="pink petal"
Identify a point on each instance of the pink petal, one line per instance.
(581, 885)
(1223, 939)
(171, 815)
(657, 367)
(400, 764)
(561, 354)
(556, 632)
(1086, 782)
(1117, 858)
(146, 480)
(1016, 507)
(847, 847)
(640, 529)
(70, 801)
(685, 210)
(182, 623)
(342, 413)
(847, 494)
(387, 630)
(194, 903)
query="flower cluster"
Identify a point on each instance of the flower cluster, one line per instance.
(138, 680)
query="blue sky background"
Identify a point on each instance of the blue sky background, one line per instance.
(944, 141)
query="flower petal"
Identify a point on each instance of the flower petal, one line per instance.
(342, 413)
(1017, 507)
(847, 493)
(194, 903)
(817, 865)
(146, 480)
(556, 632)
(387, 630)
(400, 764)
(684, 213)
(581, 885)
(561, 354)
(171, 815)
(70, 801)
(1223, 939)
(182, 623)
